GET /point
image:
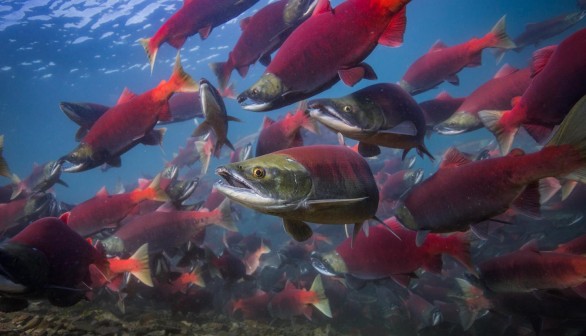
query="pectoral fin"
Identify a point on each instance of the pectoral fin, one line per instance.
(299, 230)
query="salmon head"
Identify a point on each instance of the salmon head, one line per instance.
(272, 183)
(82, 158)
(459, 122)
(348, 115)
(23, 270)
(261, 95)
(298, 10)
(328, 264)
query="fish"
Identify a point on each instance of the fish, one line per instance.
(137, 265)
(442, 63)
(318, 53)
(166, 229)
(183, 106)
(393, 186)
(42, 178)
(23, 210)
(303, 184)
(529, 269)
(379, 115)
(262, 34)
(557, 71)
(293, 302)
(128, 123)
(462, 193)
(216, 117)
(537, 32)
(194, 17)
(285, 133)
(383, 254)
(50, 260)
(226, 266)
(105, 211)
(254, 307)
(440, 108)
(497, 93)
(252, 259)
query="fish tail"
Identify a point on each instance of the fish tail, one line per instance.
(494, 121)
(198, 278)
(499, 53)
(151, 50)
(143, 271)
(204, 155)
(321, 303)
(305, 120)
(180, 80)
(225, 218)
(471, 303)
(17, 186)
(223, 71)
(572, 132)
(498, 38)
(152, 192)
(229, 92)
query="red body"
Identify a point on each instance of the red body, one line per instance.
(68, 254)
(292, 302)
(456, 197)
(497, 93)
(282, 134)
(187, 155)
(382, 255)
(314, 53)
(555, 89)
(196, 15)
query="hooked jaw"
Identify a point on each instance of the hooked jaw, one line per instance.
(262, 94)
(458, 123)
(329, 264)
(240, 190)
(327, 115)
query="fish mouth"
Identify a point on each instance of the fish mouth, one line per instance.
(321, 265)
(331, 118)
(447, 129)
(240, 190)
(250, 104)
(71, 167)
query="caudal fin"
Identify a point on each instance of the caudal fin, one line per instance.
(152, 192)
(204, 148)
(572, 131)
(142, 271)
(471, 303)
(223, 71)
(225, 218)
(459, 248)
(322, 303)
(505, 134)
(151, 50)
(498, 38)
(180, 80)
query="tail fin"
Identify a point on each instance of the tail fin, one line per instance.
(17, 186)
(143, 271)
(322, 303)
(471, 303)
(229, 92)
(197, 278)
(4, 170)
(225, 218)
(572, 131)
(151, 51)
(499, 53)
(306, 121)
(498, 37)
(152, 192)
(180, 80)
(223, 71)
(503, 133)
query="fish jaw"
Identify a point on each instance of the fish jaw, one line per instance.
(79, 159)
(331, 118)
(283, 186)
(328, 264)
(458, 123)
(261, 95)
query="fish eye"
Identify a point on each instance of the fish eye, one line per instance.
(254, 91)
(347, 108)
(258, 172)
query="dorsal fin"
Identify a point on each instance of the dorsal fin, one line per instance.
(505, 70)
(323, 6)
(102, 192)
(540, 59)
(125, 96)
(454, 158)
(444, 95)
(244, 22)
(266, 122)
(531, 246)
(438, 45)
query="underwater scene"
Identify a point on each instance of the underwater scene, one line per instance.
(293, 167)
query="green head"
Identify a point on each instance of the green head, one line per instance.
(347, 115)
(266, 90)
(459, 122)
(329, 264)
(272, 183)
